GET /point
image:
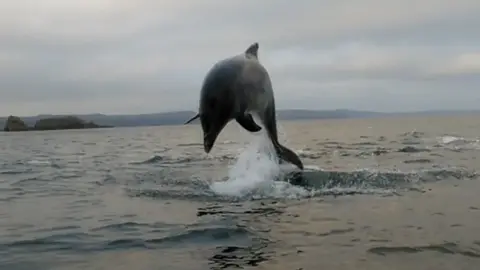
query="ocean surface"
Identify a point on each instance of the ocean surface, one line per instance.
(393, 193)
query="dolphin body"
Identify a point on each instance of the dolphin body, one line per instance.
(234, 88)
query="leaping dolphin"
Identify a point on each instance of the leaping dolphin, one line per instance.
(234, 88)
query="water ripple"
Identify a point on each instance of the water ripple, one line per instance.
(445, 248)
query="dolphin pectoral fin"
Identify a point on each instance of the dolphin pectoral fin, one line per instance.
(191, 119)
(288, 155)
(247, 122)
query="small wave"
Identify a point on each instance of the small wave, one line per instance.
(445, 248)
(413, 134)
(206, 235)
(170, 193)
(189, 144)
(16, 171)
(308, 153)
(90, 241)
(367, 143)
(182, 160)
(130, 226)
(237, 257)
(154, 159)
(218, 211)
(418, 160)
(412, 149)
(39, 162)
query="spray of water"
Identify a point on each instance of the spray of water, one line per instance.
(255, 172)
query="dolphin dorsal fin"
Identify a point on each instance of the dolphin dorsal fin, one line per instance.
(252, 50)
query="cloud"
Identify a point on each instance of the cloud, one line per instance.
(462, 64)
(148, 56)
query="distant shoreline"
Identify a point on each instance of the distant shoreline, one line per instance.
(17, 124)
(179, 117)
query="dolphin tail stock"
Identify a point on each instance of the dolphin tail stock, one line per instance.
(288, 155)
(191, 119)
(283, 152)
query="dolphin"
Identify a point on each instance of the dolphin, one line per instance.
(235, 88)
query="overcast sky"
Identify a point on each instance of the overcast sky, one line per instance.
(124, 56)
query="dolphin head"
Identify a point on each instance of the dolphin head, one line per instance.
(215, 115)
(212, 124)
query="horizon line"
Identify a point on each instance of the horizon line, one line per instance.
(292, 109)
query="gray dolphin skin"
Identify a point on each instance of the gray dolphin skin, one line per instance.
(234, 88)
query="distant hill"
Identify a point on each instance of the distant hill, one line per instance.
(179, 117)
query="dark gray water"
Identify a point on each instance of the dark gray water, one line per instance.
(393, 195)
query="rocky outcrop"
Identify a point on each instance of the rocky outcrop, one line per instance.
(15, 123)
(64, 122)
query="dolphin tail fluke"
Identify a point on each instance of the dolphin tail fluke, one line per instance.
(288, 155)
(193, 118)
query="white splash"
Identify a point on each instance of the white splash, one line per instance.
(460, 142)
(451, 139)
(254, 174)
